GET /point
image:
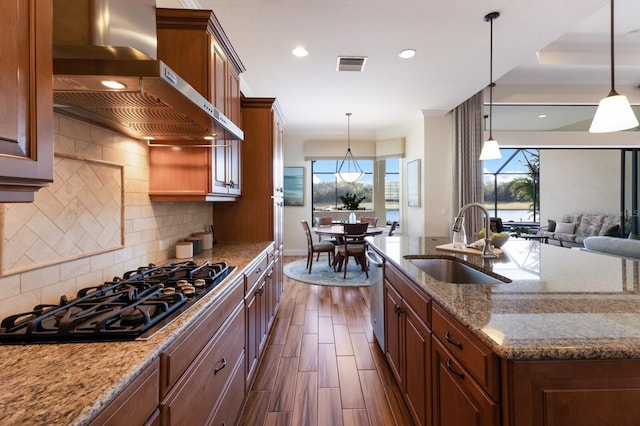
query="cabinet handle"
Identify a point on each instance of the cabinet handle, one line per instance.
(260, 290)
(258, 270)
(398, 310)
(453, 370)
(269, 276)
(448, 337)
(223, 364)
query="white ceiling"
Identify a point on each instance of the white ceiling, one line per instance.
(452, 61)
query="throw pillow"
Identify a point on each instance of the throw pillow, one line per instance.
(552, 225)
(565, 228)
(613, 231)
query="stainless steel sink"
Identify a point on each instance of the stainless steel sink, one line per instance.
(452, 271)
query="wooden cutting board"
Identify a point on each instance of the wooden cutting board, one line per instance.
(471, 251)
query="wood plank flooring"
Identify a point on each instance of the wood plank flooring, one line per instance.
(321, 365)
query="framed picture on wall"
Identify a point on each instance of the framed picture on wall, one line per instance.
(294, 186)
(413, 183)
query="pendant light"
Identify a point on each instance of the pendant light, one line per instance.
(351, 171)
(614, 112)
(491, 149)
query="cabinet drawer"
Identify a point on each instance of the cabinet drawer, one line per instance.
(231, 404)
(468, 350)
(403, 285)
(198, 392)
(255, 272)
(176, 359)
(457, 398)
(136, 404)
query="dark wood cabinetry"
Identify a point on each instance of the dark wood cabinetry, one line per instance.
(408, 342)
(193, 44)
(137, 405)
(257, 214)
(201, 367)
(573, 392)
(26, 128)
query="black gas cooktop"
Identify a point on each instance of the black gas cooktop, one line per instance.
(132, 307)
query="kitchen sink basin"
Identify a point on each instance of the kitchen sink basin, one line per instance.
(452, 271)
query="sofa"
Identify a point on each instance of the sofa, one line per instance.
(622, 247)
(572, 229)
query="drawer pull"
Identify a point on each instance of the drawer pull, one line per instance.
(223, 364)
(448, 337)
(397, 309)
(258, 270)
(260, 290)
(453, 370)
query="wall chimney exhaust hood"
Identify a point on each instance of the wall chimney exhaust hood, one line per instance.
(98, 42)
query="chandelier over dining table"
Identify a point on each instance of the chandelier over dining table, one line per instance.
(349, 171)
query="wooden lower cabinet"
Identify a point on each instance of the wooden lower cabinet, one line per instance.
(197, 395)
(408, 344)
(575, 392)
(457, 398)
(138, 404)
(260, 308)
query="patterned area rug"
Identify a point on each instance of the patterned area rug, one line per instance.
(323, 274)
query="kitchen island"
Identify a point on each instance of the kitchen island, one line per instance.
(71, 383)
(558, 344)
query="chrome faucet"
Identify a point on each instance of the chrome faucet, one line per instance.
(457, 227)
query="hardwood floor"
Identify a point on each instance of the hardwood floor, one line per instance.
(321, 365)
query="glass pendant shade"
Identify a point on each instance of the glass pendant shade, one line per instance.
(490, 150)
(349, 170)
(614, 114)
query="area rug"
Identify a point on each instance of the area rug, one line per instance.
(323, 274)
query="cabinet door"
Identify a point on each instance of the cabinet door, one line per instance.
(26, 127)
(219, 64)
(234, 167)
(393, 331)
(252, 313)
(199, 391)
(417, 374)
(457, 399)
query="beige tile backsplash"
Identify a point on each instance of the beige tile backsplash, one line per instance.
(145, 232)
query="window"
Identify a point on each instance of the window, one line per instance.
(327, 189)
(511, 186)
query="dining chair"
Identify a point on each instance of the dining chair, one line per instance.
(394, 225)
(325, 221)
(372, 221)
(354, 245)
(319, 247)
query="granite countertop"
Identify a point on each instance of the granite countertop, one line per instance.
(68, 384)
(561, 303)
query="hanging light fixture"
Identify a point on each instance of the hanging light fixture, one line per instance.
(614, 112)
(491, 149)
(351, 171)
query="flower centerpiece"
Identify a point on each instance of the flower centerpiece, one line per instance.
(351, 201)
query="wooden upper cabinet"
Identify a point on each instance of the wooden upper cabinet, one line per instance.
(193, 44)
(26, 110)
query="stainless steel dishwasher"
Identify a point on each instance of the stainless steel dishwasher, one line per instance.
(376, 294)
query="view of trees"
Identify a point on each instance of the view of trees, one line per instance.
(327, 194)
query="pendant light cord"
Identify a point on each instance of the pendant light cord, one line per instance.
(491, 17)
(613, 90)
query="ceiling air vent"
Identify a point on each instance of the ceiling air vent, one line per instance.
(351, 63)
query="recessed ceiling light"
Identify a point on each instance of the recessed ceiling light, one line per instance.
(112, 84)
(300, 52)
(407, 53)
(542, 116)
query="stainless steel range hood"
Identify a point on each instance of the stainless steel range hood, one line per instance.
(115, 40)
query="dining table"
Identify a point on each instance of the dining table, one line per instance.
(337, 230)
